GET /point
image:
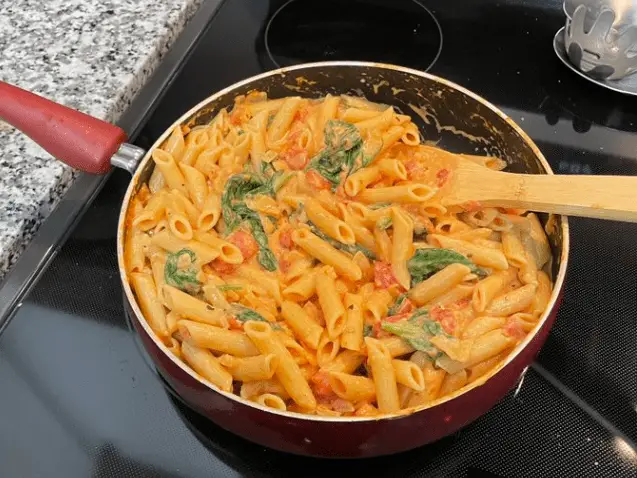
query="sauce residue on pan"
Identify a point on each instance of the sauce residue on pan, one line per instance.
(301, 80)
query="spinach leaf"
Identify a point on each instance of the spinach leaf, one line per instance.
(426, 262)
(412, 333)
(351, 249)
(244, 314)
(400, 300)
(416, 330)
(227, 287)
(264, 167)
(384, 223)
(235, 211)
(265, 257)
(419, 314)
(277, 181)
(368, 152)
(237, 188)
(273, 220)
(446, 363)
(341, 135)
(379, 205)
(185, 280)
(343, 145)
(433, 328)
(367, 330)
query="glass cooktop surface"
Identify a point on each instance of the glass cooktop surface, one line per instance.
(79, 399)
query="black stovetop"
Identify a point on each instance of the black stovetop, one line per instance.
(79, 399)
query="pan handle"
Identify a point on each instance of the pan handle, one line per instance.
(79, 140)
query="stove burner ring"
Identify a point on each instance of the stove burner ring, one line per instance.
(402, 32)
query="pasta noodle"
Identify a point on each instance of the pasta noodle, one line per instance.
(296, 251)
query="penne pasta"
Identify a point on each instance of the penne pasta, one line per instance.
(296, 252)
(515, 301)
(328, 223)
(301, 323)
(288, 372)
(271, 400)
(401, 246)
(206, 365)
(169, 170)
(482, 256)
(347, 361)
(358, 181)
(283, 119)
(152, 309)
(248, 369)
(353, 388)
(409, 374)
(327, 350)
(331, 304)
(352, 337)
(216, 338)
(439, 283)
(384, 376)
(412, 193)
(192, 308)
(487, 289)
(327, 254)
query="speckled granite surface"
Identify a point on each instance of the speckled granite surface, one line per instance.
(90, 55)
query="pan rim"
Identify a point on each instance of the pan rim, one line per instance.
(557, 287)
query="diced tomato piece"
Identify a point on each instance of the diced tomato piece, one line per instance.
(295, 157)
(415, 169)
(343, 406)
(340, 191)
(284, 265)
(246, 244)
(471, 206)
(444, 317)
(448, 323)
(301, 114)
(285, 239)
(366, 410)
(442, 176)
(460, 304)
(235, 116)
(317, 181)
(222, 267)
(321, 385)
(383, 275)
(514, 329)
(377, 330)
(397, 317)
(235, 324)
(406, 307)
(410, 166)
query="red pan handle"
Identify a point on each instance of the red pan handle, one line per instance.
(79, 140)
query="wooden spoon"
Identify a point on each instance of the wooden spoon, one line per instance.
(601, 197)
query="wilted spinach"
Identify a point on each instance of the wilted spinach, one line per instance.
(417, 330)
(235, 211)
(426, 262)
(343, 144)
(183, 279)
(351, 249)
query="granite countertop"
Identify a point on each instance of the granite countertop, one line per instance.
(90, 55)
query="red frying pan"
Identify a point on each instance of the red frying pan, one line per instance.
(448, 114)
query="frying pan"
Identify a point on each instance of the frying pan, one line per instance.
(457, 119)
